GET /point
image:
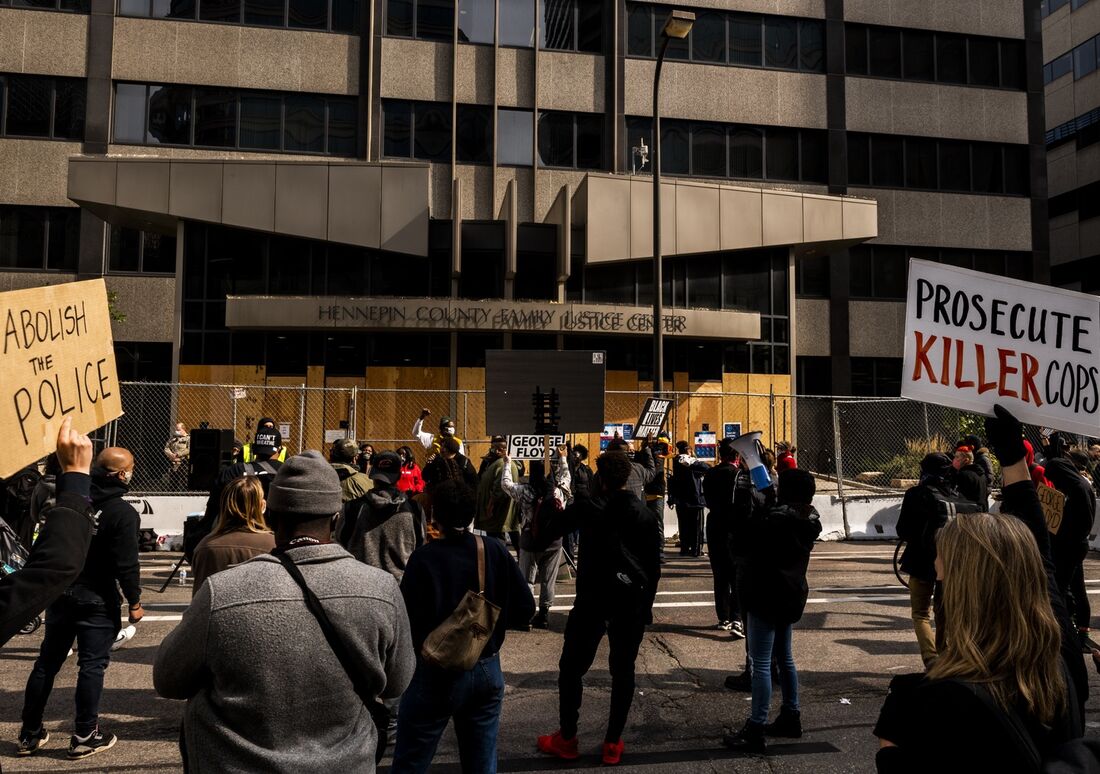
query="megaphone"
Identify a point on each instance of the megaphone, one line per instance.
(748, 446)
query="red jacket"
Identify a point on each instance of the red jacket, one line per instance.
(785, 461)
(411, 481)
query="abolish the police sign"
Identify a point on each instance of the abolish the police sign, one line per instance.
(974, 339)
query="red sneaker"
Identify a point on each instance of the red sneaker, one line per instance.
(612, 752)
(556, 744)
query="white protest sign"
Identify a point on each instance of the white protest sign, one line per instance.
(974, 339)
(653, 417)
(529, 447)
(58, 361)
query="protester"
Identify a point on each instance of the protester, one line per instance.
(686, 494)
(45, 491)
(258, 450)
(88, 612)
(969, 478)
(642, 468)
(434, 443)
(178, 451)
(411, 481)
(388, 524)
(997, 698)
(1036, 471)
(265, 689)
(15, 502)
(539, 554)
(239, 534)
(780, 543)
(981, 457)
(353, 483)
(437, 578)
(365, 458)
(1070, 545)
(617, 578)
(656, 489)
(724, 526)
(785, 456)
(59, 553)
(496, 511)
(450, 463)
(581, 475)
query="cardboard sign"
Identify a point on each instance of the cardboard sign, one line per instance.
(529, 447)
(706, 445)
(58, 361)
(1053, 502)
(653, 417)
(974, 339)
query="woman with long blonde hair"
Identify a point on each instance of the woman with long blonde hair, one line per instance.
(239, 534)
(1006, 689)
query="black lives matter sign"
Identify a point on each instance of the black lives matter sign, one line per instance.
(57, 361)
(653, 417)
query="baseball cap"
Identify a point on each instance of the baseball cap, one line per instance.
(387, 468)
(267, 441)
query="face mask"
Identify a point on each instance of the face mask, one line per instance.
(448, 431)
(126, 476)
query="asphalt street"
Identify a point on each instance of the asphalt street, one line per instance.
(854, 637)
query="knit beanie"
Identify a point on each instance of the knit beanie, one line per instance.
(306, 485)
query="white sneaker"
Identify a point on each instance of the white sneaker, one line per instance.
(124, 636)
(724, 626)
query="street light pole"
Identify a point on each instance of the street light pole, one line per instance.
(677, 25)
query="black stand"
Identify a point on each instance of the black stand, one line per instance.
(172, 574)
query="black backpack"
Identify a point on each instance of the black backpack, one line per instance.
(13, 554)
(545, 513)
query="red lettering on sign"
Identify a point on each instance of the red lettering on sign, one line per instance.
(922, 358)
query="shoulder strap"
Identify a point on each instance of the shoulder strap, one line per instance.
(377, 710)
(480, 564)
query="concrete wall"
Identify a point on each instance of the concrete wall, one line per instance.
(43, 43)
(34, 171)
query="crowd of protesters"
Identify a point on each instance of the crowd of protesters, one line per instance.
(407, 580)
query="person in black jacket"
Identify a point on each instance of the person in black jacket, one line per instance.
(58, 555)
(780, 542)
(450, 464)
(1009, 686)
(88, 612)
(436, 579)
(617, 578)
(969, 478)
(1070, 545)
(685, 491)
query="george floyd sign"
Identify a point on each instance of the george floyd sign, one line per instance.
(58, 361)
(974, 339)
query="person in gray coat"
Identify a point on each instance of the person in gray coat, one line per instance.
(264, 690)
(389, 525)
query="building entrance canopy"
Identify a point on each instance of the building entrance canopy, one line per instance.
(445, 314)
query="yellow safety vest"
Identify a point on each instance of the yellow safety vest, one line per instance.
(437, 442)
(248, 456)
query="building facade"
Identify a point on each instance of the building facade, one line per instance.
(334, 190)
(1071, 39)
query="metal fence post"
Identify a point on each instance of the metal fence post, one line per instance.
(771, 415)
(301, 416)
(927, 434)
(353, 427)
(840, 469)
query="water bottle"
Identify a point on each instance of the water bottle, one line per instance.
(183, 577)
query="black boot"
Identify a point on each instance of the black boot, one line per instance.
(749, 739)
(541, 619)
(787, 725)
(741, 682)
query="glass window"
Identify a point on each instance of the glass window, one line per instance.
(855, 49)
(69, 109)
(536, 263)
(29, 101)
(397, 129)
(517, 23)
(1017, 166)
(675, 148)
(811, 45)
(590, 27)
(812, 276)
(23, 237)
(889, 270)
(782, 154)
(919, 54)
(226, 11)
(747, 153)
(860, 283)
(708, 37)
(885, 49)
(746, 40)
(984, 62)
(308, 14)
(64, 239)
(174, 9)
(266, 13)
(1063, 65)
(954, 165)
(261, 121)
(399, 18)
(475, 21)
(708, 150)
(859, 159)
(435, 19)
(304, 128)
(639, 30)
(886, 161)
(987, 168)
(125, 250)
(158, 253)
(169, 115)
(129, 113)
(342, 123)
(815, 156)
(515, 129)
(1084, 59)
(781, 42)
(920, 164)
(345, 15)
(1013, 72)
(557, 30)
(131, 7)
(215, 118)
(950, 58)
(432, 131)
(704, 282)
(590, 142)
(556, 139)
(474, 138)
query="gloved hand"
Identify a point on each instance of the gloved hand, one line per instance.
(1006, 436)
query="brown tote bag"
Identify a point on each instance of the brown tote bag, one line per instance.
(457, 643)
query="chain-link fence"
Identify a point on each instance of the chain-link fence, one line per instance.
(855, 446)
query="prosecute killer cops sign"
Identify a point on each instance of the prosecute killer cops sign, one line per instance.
(57, 361)
(974, 339)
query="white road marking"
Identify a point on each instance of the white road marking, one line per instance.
(163, 618)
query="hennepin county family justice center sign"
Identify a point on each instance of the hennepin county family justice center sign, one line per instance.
(323, 312)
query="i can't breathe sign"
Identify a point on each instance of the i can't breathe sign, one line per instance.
(974, 339)
(57, 361)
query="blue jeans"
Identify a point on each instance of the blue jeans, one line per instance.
(94, 631)
(472, 698)
(765, 642)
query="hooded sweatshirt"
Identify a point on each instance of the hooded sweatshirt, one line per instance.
(1079, 510)
(780, 543)
(527, 499)
(389, 527)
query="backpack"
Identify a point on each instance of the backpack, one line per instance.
(457, 643)
(13, 554)
(543, 516)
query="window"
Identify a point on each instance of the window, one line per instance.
(984, 63)
(1056, 68)
(265, 13)
(859, 159)
(1013, 67)
(951, 59)
(143, 361)
(919, 55)
(781, 150)
(987, 167)
(876, 376)
(920, 164)
(308, 14)
(423, 19)
(878, 271)
(536, 262)
(36, 106)
(781, 42)
(814, 155)
(1084, 59)
(224, 11)
(812, 276)
(885, 51)
(639, 30)
(708, 37)
(72, 6)
(482, 260)
(475, 21)
(515, 132)
(855, 49)
(39, 238)
(141, 251)
(746, 44)
(811, 45)
(229, 118)
(708, 150)
(572, 140)
(954, 165)
(747, 153)
(474, 138)
(571, 25)
(517, 23)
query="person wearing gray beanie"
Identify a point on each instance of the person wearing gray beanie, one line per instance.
(306, 485)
